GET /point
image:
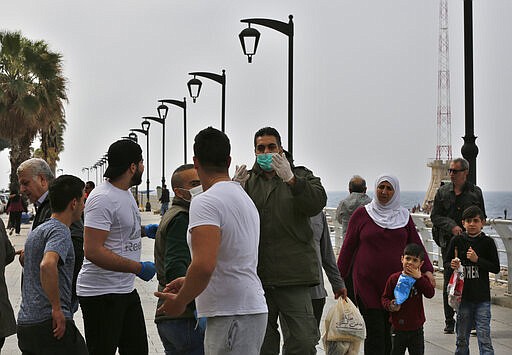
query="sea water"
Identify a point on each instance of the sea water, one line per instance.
(496, 202)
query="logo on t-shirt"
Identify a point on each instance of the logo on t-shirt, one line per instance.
(134, 243)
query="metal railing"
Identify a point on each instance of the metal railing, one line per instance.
(498, 229)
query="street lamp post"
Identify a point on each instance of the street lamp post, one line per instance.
(194, 88)
(104, 161)
(145, 130)
(183, 105)
(95, 167)
(160, 120)
(133, 137)
(100, 164)
(249, 39)
(83, 169)
(469, 150)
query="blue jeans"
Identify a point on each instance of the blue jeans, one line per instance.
(164, 208)
(180, 336)
(474, 313)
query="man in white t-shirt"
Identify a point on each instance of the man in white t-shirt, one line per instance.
(111, 308)
(223, 238)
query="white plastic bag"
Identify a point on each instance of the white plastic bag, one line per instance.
(344, 328)
(455, 287)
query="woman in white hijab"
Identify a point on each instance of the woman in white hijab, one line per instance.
(376, 237)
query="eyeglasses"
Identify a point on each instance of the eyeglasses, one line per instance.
(455, 171)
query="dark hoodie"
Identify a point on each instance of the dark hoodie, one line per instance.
(476, 275)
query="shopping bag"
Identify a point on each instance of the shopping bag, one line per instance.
(344, 328)
(455, 286)
(344, 322)
(342, 347)
(403, 288)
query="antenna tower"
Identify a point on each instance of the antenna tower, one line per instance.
(444, 114)
(441, 163)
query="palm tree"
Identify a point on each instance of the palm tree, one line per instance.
(32, 93)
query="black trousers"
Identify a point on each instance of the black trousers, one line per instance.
(378, 330)
(448, 310)
(114, 321)
(318, 309)
(16, 221)
(413, 341)
(38, 339)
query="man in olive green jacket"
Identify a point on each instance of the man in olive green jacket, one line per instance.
(286, 197)
(179, 335)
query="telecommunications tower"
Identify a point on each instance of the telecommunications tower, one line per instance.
(441, 163)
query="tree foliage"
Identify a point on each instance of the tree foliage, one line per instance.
(32, 93)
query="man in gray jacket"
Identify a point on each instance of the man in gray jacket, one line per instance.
(327, 261)
(357, 197)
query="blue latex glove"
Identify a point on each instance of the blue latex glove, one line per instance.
(148, 270)
(403, 288)
(150, 230)
(201, 322)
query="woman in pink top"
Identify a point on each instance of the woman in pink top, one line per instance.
(376, 237)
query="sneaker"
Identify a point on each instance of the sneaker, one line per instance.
(449, 329)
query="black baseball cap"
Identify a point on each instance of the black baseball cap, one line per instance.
(121, 155)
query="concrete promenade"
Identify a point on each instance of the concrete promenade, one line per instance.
(435, 341)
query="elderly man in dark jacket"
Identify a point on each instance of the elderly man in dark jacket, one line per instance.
(34, 177)
(286, 197)
(450, 201)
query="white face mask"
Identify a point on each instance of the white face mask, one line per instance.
(195, 191)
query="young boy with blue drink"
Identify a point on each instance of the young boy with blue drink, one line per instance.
(402, 297)
(478, 256)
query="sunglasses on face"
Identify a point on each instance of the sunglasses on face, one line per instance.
(455, 171)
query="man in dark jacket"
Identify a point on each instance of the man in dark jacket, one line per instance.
(7, 320)
(286, 197)
(450, 201)
(164, 200)
(179, 335)
(34, 177)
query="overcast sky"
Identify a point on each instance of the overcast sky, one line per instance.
(365, 80)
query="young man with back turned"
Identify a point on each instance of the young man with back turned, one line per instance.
(223, 239)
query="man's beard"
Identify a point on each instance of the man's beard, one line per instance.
(136, 178)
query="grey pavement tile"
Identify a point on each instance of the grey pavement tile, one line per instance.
(436, 342)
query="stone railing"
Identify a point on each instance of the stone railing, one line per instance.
(499, 229)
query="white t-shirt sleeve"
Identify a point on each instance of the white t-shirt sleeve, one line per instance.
(98, 212)
(204, 210)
